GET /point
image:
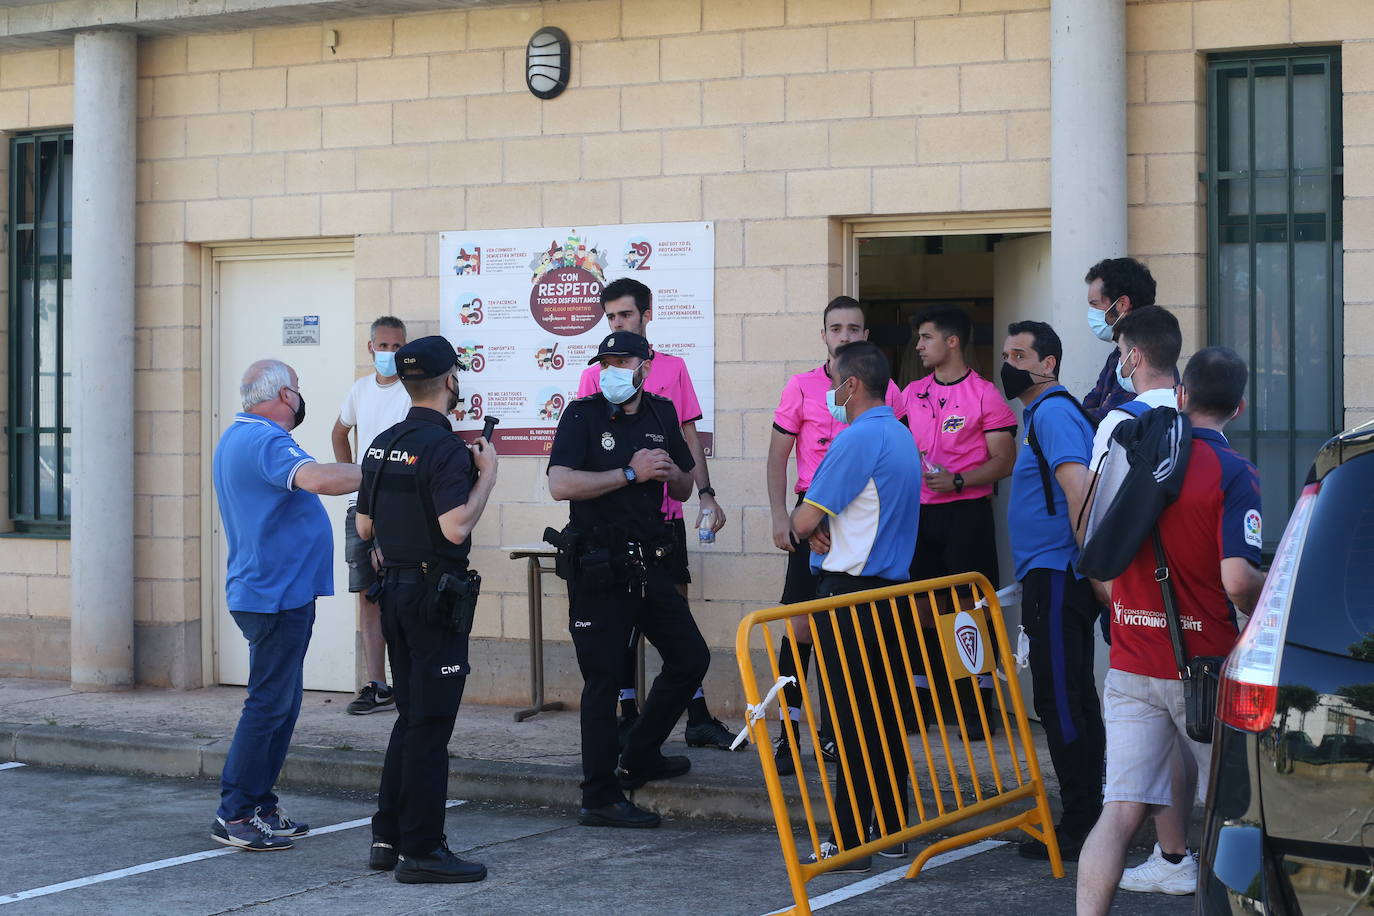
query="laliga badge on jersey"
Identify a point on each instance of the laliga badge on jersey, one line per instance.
(607, 441)
(1253, 529)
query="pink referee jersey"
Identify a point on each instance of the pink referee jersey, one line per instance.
(802, 413)
(667, 377)
(949, 422)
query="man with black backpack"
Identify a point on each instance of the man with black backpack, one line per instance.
(1048, 485)
(1207, 543)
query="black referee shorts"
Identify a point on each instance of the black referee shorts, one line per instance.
(800, 584)
(956, 537)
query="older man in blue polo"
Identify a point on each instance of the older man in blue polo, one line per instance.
(281, 558)
(860, 514)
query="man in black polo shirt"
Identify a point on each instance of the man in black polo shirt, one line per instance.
(611, 457)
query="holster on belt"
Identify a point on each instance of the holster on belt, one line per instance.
(569, 545)
(450, 598)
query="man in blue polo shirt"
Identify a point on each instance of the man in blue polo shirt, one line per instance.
(281, 557)
(1058, 609)
(860, 514)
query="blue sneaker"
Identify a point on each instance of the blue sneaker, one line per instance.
(281, 825)
(251, 833)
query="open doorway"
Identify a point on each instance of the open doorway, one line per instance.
(900, 277)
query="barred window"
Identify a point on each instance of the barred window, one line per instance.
(40, 274)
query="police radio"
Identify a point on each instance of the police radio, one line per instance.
(487, 429)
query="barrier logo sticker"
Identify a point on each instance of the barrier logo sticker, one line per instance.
(968, 640)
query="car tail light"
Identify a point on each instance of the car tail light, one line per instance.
(1250, 678)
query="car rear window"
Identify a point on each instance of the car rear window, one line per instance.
(1333, 606)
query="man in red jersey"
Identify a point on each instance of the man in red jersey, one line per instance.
(1212, 538)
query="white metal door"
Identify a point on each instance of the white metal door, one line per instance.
(257, 299)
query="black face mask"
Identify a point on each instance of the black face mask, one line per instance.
(299, 418)
(453, 398)
(1015, 381)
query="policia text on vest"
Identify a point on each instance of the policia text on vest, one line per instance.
(612, 457)
(422, 494)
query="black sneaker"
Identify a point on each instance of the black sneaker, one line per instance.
(900, 851)
(829, 749)
(1070, 845)
(782, 756)
(713, 733)
(620, 814)
(371, 698)
(382, 856)
(859, 866)
(252, 834)
(663, 768)
(439, 867)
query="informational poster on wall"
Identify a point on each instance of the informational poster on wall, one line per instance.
(523, 309)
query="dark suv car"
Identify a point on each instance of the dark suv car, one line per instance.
(1290, 813)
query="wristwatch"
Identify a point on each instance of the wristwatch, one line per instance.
(707, 491)
(958, 483)
(629, 474)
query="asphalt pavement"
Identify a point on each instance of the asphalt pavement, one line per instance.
(94, 843)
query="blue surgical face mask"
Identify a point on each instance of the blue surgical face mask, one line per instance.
(1127, 381)
(617, 384)
(1097, 321)
(836, 410)
(385, 363)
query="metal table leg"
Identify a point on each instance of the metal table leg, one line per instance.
(536, 599)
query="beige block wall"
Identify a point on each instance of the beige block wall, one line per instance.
(770, 118)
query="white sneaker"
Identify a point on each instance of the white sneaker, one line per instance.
(1157, 875)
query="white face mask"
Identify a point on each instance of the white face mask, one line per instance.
(1097, 323)
(837, 411)
(617, 384)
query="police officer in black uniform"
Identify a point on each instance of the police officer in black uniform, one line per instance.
(611, 457)
(426, 490)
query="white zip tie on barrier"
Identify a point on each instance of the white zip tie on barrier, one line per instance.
(1006, 597)
(755, 713)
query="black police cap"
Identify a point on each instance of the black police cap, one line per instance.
(428, 357)
(623, 343)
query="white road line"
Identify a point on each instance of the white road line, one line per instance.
(169, 863)
(10, 766)
(859, 888)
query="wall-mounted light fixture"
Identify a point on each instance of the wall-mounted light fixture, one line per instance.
(548, 58)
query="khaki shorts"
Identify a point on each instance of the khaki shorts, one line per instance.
(1146, 733)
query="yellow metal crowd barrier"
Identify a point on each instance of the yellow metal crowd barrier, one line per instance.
(961, 612)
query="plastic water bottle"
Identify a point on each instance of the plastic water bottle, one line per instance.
(705, 534)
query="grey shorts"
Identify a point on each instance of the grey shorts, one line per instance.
(358, 553)
(1146, 737)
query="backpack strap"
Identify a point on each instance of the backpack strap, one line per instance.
(1046, 476)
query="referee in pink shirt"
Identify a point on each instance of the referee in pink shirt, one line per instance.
(629, 306)
(967, 437)
(805, 422)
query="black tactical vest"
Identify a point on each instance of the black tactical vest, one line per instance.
(405, 524)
